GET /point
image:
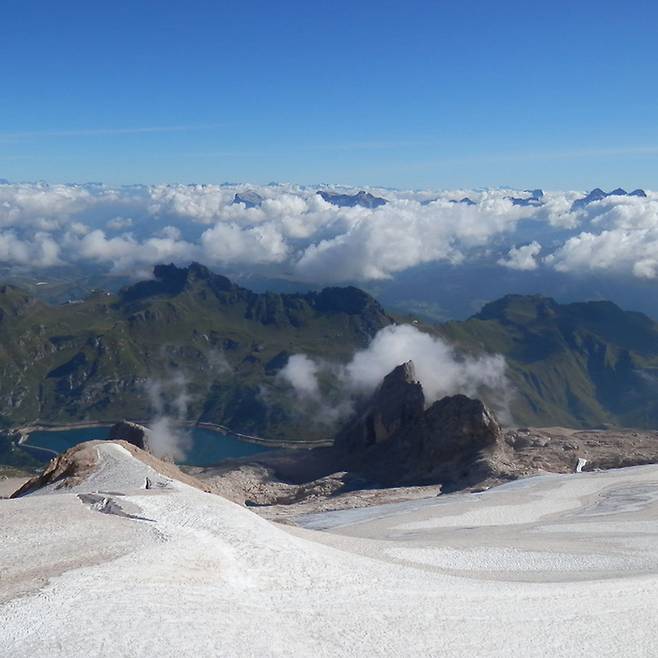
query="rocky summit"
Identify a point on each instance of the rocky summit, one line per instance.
(396, 403)
(397, 440)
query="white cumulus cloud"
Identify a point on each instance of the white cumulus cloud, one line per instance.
(522, 258)
(296, 233)
(440, 368)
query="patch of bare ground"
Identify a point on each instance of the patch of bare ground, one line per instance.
(287, 483)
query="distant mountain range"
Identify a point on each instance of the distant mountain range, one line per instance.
(580, 365)
(249, 198)
(535, 199)
(597, 194)
(363, 199)
(466, 201)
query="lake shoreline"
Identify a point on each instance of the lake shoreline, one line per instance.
(25, 431)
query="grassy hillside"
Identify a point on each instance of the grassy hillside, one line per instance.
(579, 365)
(190, 341)
(192, 332)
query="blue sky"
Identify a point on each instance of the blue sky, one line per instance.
(413, 94)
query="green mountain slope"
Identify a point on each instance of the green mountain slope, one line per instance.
(209, 345)
(577, 365)
(191, 343)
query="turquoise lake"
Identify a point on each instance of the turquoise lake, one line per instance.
(205, 447)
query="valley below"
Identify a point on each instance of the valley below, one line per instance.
(391, 487)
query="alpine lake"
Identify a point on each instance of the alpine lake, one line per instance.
(201, 447)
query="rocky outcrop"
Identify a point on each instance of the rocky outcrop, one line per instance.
(67, 469)
(132, 433)
(395, 440)
(398, 402)
(455, 427)
(73, 467)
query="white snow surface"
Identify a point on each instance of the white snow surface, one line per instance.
(179, 572)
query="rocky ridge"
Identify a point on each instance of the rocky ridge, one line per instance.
(398, 439)
(132, 433)
(362, 198)
(77, 464)
(597, 194)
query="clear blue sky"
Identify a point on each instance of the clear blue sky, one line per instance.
(409, 94)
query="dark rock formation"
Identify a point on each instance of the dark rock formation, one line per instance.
(450, 441)
(395, 440)
(171, 280)
(363, 199)
(132, 433)
(398, 402)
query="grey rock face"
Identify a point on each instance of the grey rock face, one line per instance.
(133, 433)
(396, 403)
(396, 441)
(458, 425)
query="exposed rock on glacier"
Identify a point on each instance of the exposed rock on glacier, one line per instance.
(396, 440)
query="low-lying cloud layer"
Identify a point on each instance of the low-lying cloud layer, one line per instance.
(439, 367)
(296, 233)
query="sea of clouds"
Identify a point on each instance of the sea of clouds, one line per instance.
(294, 232)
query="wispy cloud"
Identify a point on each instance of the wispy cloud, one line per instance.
(93, 132)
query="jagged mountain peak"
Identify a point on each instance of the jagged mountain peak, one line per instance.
(361, 198)
(172, 280)
(597, 194)
(394, 438)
